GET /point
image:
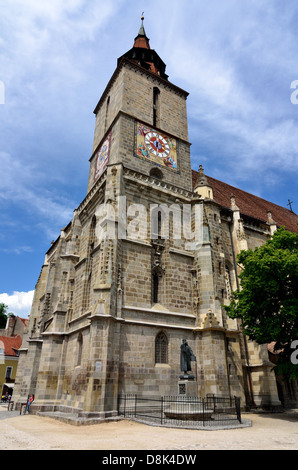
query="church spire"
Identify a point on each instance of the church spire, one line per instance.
(142, 29)
(141, 40)
(142, 54)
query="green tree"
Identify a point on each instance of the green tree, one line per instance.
(3, 316)
(267, 302)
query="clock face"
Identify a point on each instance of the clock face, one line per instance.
(155, 147)
(157, 144)
(102, 157)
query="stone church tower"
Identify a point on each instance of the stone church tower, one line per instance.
(147, 261)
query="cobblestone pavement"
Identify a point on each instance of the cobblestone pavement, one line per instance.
(30, 432)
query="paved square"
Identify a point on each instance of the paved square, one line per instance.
(29, 432)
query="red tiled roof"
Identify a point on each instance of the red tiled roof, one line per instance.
(250, 205)
(10, 344)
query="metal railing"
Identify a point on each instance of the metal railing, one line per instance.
(181, 411)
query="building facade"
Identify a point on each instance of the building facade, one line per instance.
(10, 342)
(8, 363)
(147, 261)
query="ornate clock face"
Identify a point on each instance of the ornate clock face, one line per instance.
(157, 144)
(102, 157)
(156, 148)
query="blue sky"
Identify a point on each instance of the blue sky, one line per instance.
(237, 59)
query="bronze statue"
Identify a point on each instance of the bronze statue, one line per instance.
(186, 356)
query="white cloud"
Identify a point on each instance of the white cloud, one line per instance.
(237, 59)
(57, 57)
(45, 33)
(18, 250)
(25, 185)
(47, 50)
(18, 302)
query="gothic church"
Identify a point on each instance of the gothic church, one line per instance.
(110, 312)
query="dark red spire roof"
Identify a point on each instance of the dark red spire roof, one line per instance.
(143, 55)
(141, 40)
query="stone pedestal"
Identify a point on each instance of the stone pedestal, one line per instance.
(187, 388)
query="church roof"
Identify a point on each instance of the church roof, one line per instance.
(250, 205)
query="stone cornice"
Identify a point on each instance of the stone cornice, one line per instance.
(175, 251)
(159, 311)
(70, 256)
(150, 181)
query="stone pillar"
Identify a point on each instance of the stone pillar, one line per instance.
(271, 223)
(265, 393)
(28, 366)
(102, 389)
(212, 363)
(205, 280)
(238, 232)
(49, 369)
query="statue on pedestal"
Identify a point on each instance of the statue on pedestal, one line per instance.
(186, 356)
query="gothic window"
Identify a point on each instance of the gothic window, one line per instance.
(80, 348)
(161, 349)
(156, 93)
(157, 269)
(157, 220)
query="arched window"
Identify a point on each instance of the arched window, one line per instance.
(156, 173)
(156, 106)
(158, 221)
(161, 348)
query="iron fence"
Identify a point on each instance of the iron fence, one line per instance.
(182, 411)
